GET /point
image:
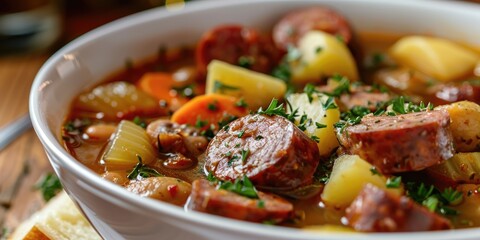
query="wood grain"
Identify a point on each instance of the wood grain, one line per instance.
(24, 161)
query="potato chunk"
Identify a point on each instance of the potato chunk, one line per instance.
(129, 142)
(461, 168)
(118, 100)
(322, 55)
(167, 189)
(349, 174)
(465, 125)
(257, 89)
(441, 59)
(319, 121)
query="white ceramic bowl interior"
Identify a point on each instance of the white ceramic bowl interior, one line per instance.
(118, 214)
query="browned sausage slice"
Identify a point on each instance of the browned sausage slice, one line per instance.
(232, 43)
(270, 150)
(401, 143)
(376, 210)
(297, 23)
(205, 197)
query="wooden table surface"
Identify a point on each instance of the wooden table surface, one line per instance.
(23, 162)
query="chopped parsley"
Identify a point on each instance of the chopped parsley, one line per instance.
(219, 87)
(340, 38)
(282, 72)
(315, 138)
(375, 60)
(200, 123)
(233, 158)
(241, 103)
(453, 197)
(140, 122)
(240, 134)
(241, 186)
(309, 89)
(329, 104)
(434, 199)
(399, 106)
(246, 62)
(342, 87)
(245, 154)
(76, 126)
(226, 119)
(261, 204)
(394, 182)
(259, 137)
(374, 171)
(320, 125)
(213, 106)
(209, 133)
(142, 171)
(49, 185)
(273, 109)
(318, 49)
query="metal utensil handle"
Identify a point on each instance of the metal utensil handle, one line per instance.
(14, 130)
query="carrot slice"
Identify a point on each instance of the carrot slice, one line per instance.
(162, 87)
(158, 85)
(204, 110)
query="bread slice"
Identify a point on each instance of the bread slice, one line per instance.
(59, 219)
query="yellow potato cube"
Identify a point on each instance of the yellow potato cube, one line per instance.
(257, 89)
(441, 59)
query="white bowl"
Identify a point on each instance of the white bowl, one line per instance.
(118, 214)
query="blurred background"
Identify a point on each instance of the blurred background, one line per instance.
(35, 25)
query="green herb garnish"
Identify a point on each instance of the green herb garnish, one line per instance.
(143, 171)
(241, 103)
(245, 154)
(243, 187)
(213, 106)
(219, 87)
(240, 134)
(394, 182)
(246, 61)
(49, 186)
(374, 171)
(140, 122)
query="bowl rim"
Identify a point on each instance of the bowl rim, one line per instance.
(149, 206)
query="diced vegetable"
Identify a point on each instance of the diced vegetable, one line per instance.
(465, 125)
(204, 110)
(167, 189)
(174, 89)
(316, 119)
(129, 142)
(349, 174)
(461, 168)
(441, 59)
(257, 89)
(321, 55)
(470, 212)
(118, 100)
(157, 84)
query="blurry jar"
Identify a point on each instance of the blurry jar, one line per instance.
(27, 25)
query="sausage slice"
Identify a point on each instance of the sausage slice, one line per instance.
(376, 210)
(270, 150)
(401, 143)
(232, 43)
(205, 197)
(297, 23)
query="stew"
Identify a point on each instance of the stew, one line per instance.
(309, 126)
